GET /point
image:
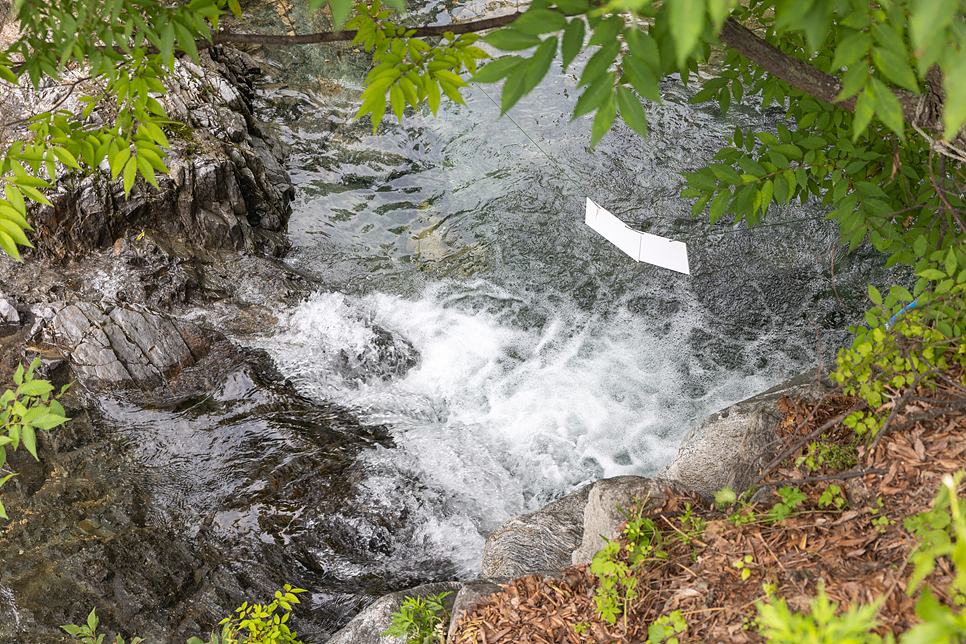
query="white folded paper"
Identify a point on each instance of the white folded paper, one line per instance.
(643, 247)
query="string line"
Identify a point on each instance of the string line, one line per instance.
(564, 172)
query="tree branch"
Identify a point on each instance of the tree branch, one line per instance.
(801, 75)
(226, 38)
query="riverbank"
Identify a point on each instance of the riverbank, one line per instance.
(849, 529)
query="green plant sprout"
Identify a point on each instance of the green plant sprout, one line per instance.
(31, 406)
(420, 620)
(87, 633)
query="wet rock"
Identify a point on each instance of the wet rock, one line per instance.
(729, 447)
(367, 627)
(116, 345)
(383, 357)
(602, 514)
(8, 314)
(539, 541)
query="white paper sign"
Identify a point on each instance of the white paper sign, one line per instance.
(643, 247)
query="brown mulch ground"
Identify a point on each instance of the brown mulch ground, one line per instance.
(860, 551)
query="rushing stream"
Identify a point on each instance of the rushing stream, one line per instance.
(476, 353)
(546, 358)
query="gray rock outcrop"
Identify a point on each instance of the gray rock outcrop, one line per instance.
(368, 626)
(226, 187)
(118, 344)
(539, 541)
(602, 513)
(729, 447)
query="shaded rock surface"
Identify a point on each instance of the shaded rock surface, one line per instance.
(602, 512)
(367, 627)
(729, 448)
(539, 541)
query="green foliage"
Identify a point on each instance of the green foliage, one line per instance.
(903, 346)
(615, 565)
(779, 625)
(666, 628)
(420, 620)
(24, 410)
(87, 634)
(259, 623)
(832, 498)
(822, 454)
(744, 565)
(409, 70)
(791, 498)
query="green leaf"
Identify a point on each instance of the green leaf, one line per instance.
(607, 31)
(864, 109)
(896, 68)
(599, 63)
(887, 107)
(8, 245)
(15, 197)
(594, 95)
(540, 63)
(851, 49)
(854, 80)
(686, 19)
(874, 295)
(573, 7)
(16, 232)
(954, 109)
(642, 78)
(540, 21)
(817, 24)
(130, 171)
(513, 89)
(643, 46)
(509, 39)
(497, 69)
(603, 120)
(340, 11)
(718, 206)
(573, 42)
(929, 19)
(631, 110)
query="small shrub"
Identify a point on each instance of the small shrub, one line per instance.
(31, 406)
(420, 620)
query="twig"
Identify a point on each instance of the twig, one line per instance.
(896, 408)
(939, 412)
(830, 477)
(766, 472)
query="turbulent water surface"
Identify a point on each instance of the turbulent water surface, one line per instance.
(547, 358)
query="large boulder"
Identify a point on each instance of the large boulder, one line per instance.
(537, 542)
(730, 447)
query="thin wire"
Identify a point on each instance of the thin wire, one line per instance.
(564, 172)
